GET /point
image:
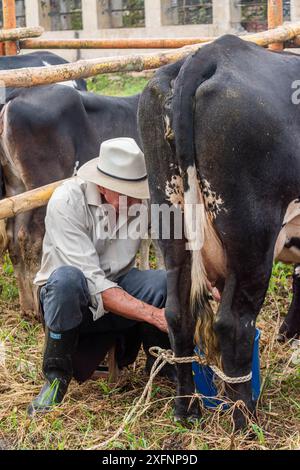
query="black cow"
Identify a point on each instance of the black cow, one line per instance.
(220, 132)
(47, 132)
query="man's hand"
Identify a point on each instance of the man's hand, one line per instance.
(214, 291)
(160, 320)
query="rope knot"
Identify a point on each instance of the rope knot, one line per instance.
(164, 354)
(168, 356)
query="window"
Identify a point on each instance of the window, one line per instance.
(180, 12)
(60, 15)
(20, 14)
(254, 14)
(121, 14)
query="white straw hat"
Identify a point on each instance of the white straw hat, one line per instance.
(120, 167)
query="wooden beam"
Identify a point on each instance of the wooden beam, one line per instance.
(28, 77)
(275, 19)
(24, 202)
(20, 33)
(9, 22)
(140, 43)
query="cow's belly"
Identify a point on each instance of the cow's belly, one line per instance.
(287, 248)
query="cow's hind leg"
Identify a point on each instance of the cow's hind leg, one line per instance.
(234, 326)
(181, 325)
(290, 327)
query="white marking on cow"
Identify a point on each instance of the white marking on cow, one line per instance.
(169, 133)
(69, 83)
(297, 271)
(174, 191)
(76, 168)
(213, 202)
(252, 323)
(5, 140)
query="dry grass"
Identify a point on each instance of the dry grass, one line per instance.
(91, 413)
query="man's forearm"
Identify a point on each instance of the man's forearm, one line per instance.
(118, 301)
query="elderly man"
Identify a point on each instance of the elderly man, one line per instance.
(88, 283)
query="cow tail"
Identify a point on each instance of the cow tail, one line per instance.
(196, 70)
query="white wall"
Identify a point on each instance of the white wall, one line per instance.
(225, 15)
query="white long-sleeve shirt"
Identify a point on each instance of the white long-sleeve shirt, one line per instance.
(83, 232)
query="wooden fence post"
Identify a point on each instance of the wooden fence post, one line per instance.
(9, 22)
(275, 19)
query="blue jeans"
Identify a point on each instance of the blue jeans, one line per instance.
(65, 299)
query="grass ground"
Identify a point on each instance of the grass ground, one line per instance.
(91, 413)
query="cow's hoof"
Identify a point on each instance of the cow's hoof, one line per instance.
(187, 421)
(240, 421)
(190, 416)
(242, 418)
(281, 338)
(286, 333)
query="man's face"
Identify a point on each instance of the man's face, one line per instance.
(113, 198)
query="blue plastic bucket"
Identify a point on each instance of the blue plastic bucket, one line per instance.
(204, 378)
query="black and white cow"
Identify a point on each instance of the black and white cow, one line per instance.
(221, 133)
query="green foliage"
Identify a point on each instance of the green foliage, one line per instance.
(8, 286)
(57, 425)
(133, 13)
(117, 85)
(259, 433)
(135, 442)
(76, 20)
(7, 265)
(194, 12)
(280, 279)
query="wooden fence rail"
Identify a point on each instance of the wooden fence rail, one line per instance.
(28, 77)
(139, 43)
(24, 202)
(16, 34)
